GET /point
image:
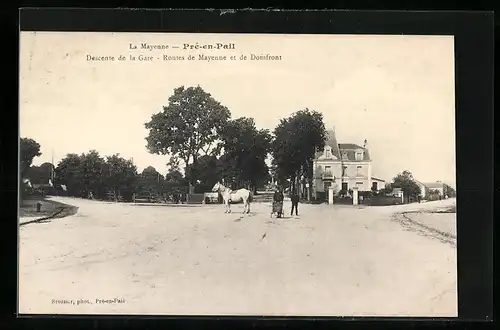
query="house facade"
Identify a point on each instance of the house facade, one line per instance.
(343, 166)
(423, 188)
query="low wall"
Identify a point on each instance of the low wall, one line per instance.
(381, 201)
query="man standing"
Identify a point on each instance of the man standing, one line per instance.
(295, 203)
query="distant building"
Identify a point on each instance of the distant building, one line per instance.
(343, 166)
(436, 186)
(396, 192)
(423, 188)
(378, 184)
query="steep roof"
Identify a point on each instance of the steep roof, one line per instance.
(339, 148)
(350, 151)
(331, 141)
(349, 146)
(434, 185)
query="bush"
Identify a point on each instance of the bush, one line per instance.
(342, 193)
(365, 194)
(382, 201)
(343, 201)
(321, 196)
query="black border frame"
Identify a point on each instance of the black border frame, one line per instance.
(474, 44)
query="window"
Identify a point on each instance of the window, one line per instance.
(358, 170)
(345, 186)
(359, 156)
(344, 170)
(328, 153)
(374, 185)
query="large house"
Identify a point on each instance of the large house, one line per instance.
(343, 166)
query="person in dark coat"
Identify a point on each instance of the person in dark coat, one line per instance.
(277, 196)
(295, 204)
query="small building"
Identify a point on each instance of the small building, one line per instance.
(378, 184)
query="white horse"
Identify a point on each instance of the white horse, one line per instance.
(228, 195)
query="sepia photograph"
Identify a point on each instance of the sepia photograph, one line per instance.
(237, 174)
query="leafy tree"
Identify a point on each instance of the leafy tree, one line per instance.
(151, 174)
(407, 184)
(206, 172)
(387, 189)
(150, 180)
(188, 126)
(174, 175)
(246, 148)
(28, 149)
(93, 170)
(296, 141)
(69, 172)
(121, 174)
(227, 170)
(40, 174)
(449, 191)
(174, 164)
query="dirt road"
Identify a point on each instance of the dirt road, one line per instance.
(330, 260)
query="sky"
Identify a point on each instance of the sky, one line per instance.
(397, 92)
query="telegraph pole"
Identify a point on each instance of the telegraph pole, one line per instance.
(52, 168)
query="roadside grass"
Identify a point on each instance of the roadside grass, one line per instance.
(49, 209)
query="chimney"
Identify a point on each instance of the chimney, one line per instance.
(365, 144)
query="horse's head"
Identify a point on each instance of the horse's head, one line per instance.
(216, 187)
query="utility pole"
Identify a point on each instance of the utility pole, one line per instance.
(52, 168)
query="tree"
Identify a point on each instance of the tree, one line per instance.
(188, 126)
(94, 170)
(151, 174)
(174, 175)
(296, 141)
(206, 172)
(407, 184)
(28, 149)
(40, 174)
(449, 191)
(174, 164)
(387, 189)
(227, 170)
(150, 180)
(246, 148)
(121, 174)
(69, 172)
